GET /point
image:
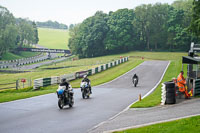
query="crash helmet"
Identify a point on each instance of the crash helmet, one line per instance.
(63, 80)
(85, 76)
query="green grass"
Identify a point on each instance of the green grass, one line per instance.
(11, 56)
(53, 38)
(187, 125)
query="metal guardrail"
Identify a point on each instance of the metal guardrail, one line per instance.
(41, 82)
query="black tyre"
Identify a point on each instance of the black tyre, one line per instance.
(169, 84)
(60, 104)
(71, 102)
(170, 95)
(88, 96)
(170, 100)
(83, 95)
(170, 90)
(135, 84)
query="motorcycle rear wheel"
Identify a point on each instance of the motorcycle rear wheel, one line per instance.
(71, 103)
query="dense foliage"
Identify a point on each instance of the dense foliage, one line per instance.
(15, 32)
(158, 27)
(51, 24)
(195, 24)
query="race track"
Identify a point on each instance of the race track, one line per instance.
(41, 114)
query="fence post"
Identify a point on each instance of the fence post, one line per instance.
(17, 84)
(30, 82)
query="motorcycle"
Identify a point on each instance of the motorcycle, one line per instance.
(85, 90)
(65, 96)
(135, 81)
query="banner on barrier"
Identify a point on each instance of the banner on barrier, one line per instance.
(68, 77)
(81, 74)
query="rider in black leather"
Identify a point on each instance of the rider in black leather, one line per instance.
(135, 76)
(64, 83)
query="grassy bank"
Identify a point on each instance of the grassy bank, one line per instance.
(53, 38)
(187, 125)
(11, 56)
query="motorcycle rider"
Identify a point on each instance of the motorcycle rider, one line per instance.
(85, 79)
(65, 83)
(135, 76)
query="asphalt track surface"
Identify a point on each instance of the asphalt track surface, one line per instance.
(41, 114)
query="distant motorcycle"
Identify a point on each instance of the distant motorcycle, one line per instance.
(85, 90)
(65, 96)
(135, 81)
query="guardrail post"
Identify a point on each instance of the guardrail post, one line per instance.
(17, 84)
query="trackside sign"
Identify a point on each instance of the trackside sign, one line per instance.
(44, 50)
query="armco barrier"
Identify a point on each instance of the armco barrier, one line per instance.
(55, 80)
(19, 62)
(38, 83)
(69, 77)
(46, 81)
(81, 74)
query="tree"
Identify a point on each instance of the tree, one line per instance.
(121, 34)
(87, 38)
(141, 23)
(8, 31)
(51, 24)
(26, 32)
(36, 39)
(195, 23)
(158, 15)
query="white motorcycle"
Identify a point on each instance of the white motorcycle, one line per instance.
(85, 90)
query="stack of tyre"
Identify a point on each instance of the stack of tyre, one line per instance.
(170, 93)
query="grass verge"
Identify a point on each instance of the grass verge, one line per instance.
(187, 125)
(53, 38)
(11, 56)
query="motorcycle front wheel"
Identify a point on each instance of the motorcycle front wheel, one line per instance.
(60, 103)
(83, 95)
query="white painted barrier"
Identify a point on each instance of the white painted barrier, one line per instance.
(163, 94)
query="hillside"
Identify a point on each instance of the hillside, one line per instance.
(53, 38)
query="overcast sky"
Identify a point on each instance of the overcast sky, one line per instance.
(68, 11)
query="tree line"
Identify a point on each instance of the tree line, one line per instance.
(158, 27)
(54, 25)
(15, 32)
(51, 24)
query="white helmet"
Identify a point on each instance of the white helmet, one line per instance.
(85, 76)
